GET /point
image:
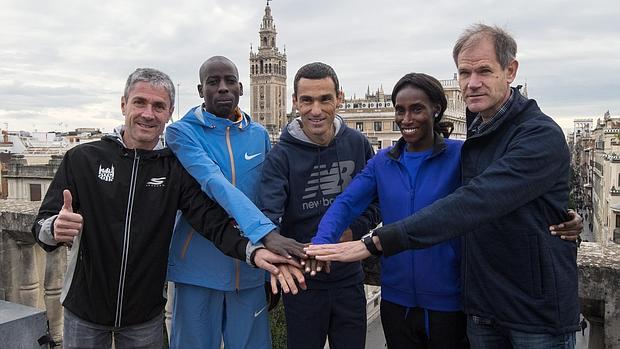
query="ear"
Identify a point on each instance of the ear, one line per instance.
(240, 89)
(295, 101)
(123, 104)
(340, 97)
(199, 87)
(511, 71)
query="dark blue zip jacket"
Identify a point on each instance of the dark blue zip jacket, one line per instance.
(515, 184)
(428, 278)
(301, 179)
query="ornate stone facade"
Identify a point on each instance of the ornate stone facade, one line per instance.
(268, 79)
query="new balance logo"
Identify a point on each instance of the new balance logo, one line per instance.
(156, 182)
(106, 174)
(330, 182)
(250, 157)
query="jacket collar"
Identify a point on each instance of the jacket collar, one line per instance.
(209, 120)
(439, 145)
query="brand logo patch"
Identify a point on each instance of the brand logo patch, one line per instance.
(250, 157)
(330, 182)
(156, 182)
(106, 174)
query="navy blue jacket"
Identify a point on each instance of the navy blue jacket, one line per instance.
(301, 179)
(427, 278)
(515, 184)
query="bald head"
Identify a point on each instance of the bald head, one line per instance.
(202, 73)
(220, 87)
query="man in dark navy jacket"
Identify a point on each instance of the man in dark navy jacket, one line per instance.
(519, 281)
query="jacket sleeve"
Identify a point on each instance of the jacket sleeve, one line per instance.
(534, 161)
(372, 215)
(208, 174)
(354, 200)
(209, 219)
(274, 185)
(43, 227)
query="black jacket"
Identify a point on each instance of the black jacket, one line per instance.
(129, 200)
(515, 185)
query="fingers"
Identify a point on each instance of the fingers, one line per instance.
(311, 267)
(67, 200)
(262, 260)
(274, 283)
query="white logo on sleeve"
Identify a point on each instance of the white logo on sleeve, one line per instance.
(250, 157)
(106, 174)
(156, 182)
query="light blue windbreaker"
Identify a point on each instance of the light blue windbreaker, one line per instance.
(226, 158)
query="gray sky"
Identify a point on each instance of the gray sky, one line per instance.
(64, 62)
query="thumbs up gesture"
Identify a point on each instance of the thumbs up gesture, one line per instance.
(68, 224)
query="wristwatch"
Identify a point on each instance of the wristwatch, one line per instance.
(370, 245)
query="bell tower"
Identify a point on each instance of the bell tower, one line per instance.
(268, 79)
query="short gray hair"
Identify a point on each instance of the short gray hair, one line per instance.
(153, 77)
(505, 45)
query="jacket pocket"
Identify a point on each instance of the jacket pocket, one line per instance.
(535, 266)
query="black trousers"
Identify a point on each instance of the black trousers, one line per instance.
(338, 314)
(419, 328)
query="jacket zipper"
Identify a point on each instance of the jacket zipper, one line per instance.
(127, 233)
(233, 181)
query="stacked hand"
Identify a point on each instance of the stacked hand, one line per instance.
(67, 224)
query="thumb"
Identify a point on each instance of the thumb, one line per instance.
(67, 200)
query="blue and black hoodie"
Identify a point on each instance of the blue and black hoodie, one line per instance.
(301, 179)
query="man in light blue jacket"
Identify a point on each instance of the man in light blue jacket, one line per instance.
(223, 149)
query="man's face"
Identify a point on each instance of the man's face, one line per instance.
(220, 88)
(484, 84)
(147, 109)
(317, 101)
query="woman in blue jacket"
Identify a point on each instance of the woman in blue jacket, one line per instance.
(420, 289)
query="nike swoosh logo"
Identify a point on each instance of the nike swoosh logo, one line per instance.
(257, 313)
(250, 157)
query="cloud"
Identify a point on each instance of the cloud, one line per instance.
(69, 59)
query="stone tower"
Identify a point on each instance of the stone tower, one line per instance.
(268, 79)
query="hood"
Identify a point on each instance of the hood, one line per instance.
(199, 116)
(293, 132)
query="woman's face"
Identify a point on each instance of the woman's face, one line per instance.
(414, 116)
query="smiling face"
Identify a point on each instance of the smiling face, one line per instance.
(147, 109)
(220, 87)
(317, 100)
(414, 116)
(484, 83)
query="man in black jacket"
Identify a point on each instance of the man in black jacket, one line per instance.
(115, 202)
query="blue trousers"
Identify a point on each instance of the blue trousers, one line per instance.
(81, 334)
(203, 317)
(337, 314)
(484, 333)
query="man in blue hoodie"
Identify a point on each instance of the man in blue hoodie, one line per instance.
(316, 159)
(223, 149)
(519, 281)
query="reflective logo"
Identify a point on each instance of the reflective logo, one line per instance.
(250, 157)
(257, 313)
(106, 174)
(156, 182)
(330, 182)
